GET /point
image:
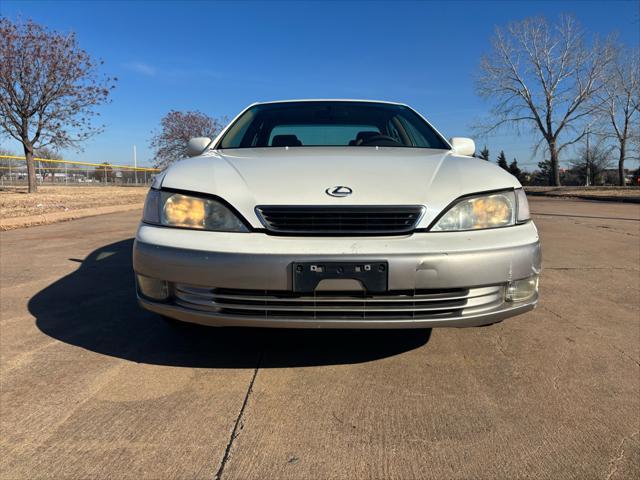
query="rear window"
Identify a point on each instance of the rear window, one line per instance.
(321, 134)
(318, 124)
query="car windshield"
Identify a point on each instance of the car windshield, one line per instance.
(330, 124)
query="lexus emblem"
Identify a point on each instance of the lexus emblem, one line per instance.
(338, 191)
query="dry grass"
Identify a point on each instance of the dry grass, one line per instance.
(15, 202)
(622, 193)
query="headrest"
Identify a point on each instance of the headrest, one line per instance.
(285, 141)
(364, 136)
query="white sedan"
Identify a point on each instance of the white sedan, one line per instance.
(336, 214)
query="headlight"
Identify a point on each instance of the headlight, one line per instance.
(179, 210)
(523, 206)
(499, 209)
(520, 290)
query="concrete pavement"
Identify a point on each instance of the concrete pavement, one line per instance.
(93, 387)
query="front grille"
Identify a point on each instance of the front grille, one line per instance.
(359, 305)
(363, 220)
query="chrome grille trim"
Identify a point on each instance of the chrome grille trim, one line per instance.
(421, 304)
(332, 219)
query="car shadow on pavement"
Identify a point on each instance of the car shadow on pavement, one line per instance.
(95, 308)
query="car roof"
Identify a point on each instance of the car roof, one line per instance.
(302, 100)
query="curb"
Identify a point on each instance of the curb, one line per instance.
(55, 217)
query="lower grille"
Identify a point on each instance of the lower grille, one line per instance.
(363, 220)
(418, 304)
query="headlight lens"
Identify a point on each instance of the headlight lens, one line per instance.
(179, 210)
(482, 211)
(520, 290)
(523, 206)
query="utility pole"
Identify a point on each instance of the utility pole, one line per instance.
(135, 165)
(588, 160)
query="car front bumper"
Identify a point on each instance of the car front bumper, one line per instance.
(455, 279)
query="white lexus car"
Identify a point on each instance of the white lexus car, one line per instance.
(336, 214)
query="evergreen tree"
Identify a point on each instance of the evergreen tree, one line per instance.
(515, 170)
(502, 161)
(545, 173)
(484, 153)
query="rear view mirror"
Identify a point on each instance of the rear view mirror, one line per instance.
(463, 146)
(197, 145)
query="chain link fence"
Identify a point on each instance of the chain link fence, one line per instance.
(13, 171)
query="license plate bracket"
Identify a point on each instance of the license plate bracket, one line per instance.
(374, 275)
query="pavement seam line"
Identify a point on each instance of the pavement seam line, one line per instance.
(234, 432)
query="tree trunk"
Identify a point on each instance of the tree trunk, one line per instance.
(555, 164)
(31, 168)
(623, 148)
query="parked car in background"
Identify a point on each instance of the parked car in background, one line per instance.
(337, 214)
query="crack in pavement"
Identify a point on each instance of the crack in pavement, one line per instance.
(614, 461)
(500, 342)
(613, 347)
(555, 379)
(238, 422)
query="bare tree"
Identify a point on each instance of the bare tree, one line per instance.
(543, 77)
(618, 103)
(49, 88)
(47, 168)
(176, 128)
(593, 159)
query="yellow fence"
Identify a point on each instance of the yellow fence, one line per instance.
(13, 171)
(86, 164)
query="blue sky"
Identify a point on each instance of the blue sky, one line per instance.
(218, 57)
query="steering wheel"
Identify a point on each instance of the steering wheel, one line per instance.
(383, 139)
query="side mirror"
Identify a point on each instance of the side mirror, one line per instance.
(463, 146)
(197, 145)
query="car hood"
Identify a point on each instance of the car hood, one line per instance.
(246, 178)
